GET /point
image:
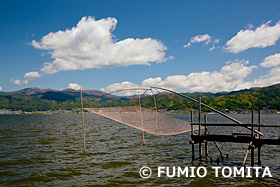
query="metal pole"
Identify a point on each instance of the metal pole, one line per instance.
(83, 120)
(199, 127)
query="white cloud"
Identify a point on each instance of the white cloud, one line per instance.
(216, 41)
(32, 74)
(271, 61)
(19, 81)
(120, 86)
(74, 86)
(261, 37)
(212, 48)
(91, 44)
(272, 77)
(199, 38)
(28, 77)
(228, 78)
(1, 88)
(250, 26)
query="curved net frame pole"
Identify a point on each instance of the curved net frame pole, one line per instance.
(114, 92)
(214, 110)
(140, 109)
(82, 110)
(155, 108)
(192, 121)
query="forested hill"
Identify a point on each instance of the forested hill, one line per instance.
(35, 99)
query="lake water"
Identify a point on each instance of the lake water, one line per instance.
(47, 150)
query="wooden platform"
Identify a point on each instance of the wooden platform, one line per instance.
(233, 138)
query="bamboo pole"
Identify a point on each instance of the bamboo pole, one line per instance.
(195, 123)
(114, 92)
(192, 122)
(141, 118)
(246, 155)
(83, 120)
(252, 135)
(155, 108)
(259, 147)
(193, 157)
(206, 143)
(199, 127)
(214, 110)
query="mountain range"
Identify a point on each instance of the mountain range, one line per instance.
(36, 99)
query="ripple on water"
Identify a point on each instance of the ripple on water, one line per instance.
(48, 150)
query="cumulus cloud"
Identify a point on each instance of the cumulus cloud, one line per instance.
(91, 44)
(272, 76)
(120, 86)
(199, 38)
(74, 86)
(19, 81)
(28, 77)
(228, 78)
(1, 88)
(32, 74)
(271, 61)
(261, 37)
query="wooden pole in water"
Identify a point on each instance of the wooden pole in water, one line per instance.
(245, 158)
(155, 108)
(259, 147)
(141, 118)
(199, 126)
(192, 134)
(252, 134)
(206, 143)
(83, 120)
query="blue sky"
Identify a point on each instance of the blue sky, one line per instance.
(182, 45)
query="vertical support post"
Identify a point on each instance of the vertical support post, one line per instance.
(192, 134)
(206, 143)
(252, 135)
(199, 116)
(252, 130)
(140, 109)
(155, 108)
(259, 146)
(199, 126)
(83, 120)
(192, 121)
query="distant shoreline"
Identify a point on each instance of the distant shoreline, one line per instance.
(8, 112)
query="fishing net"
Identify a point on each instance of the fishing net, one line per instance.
(149, 119)
(145, 119)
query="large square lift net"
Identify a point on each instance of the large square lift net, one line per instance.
(145, 119)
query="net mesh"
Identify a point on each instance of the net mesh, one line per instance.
(148, 118)
(144, 119)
